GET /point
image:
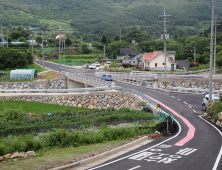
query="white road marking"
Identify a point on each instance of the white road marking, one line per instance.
(185, 102)
(190, 106)
(134, 168)
(194, 111)
(173, 96)
(179, 99)
(220, 153)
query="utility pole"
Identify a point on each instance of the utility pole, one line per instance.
(59, 53)
(64, 60)
(42, 51)
(120, 33)
(32, 47)
(165, 37)
(211, 54)
(104, 50)
(215, 44)
(195, 56)
(81, 40)
(2, 36)
(203, 31)
(64, 42)
(7, 37)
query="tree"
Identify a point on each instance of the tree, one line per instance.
(38, 39)
(22, 39)
(68, 41)
(103, 39)
(85, 49)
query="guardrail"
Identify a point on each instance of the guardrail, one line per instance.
(89, 78)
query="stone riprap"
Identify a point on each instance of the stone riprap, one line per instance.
(97, 100)
(59, 83)
(194, 84)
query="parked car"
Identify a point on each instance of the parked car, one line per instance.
(92, 66)
(85, 66)
(97, 64)
(108, 61)
(107, 77)
(205, 100)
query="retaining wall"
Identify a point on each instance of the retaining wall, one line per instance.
(58, 83)
(96, 100)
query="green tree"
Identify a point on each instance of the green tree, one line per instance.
(38, 39)
(68, 41)
(22, 39)
(103, 39)
(85, 49)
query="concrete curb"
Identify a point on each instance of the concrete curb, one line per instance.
(101, 156)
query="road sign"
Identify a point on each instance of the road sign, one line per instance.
(158, 105)
(165, 84)
(209, 104)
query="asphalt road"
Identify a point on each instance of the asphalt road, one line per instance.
(196, 146)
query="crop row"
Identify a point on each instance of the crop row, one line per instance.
(72, 120)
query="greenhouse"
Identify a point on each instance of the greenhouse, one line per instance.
(22, 75)
(34, 70)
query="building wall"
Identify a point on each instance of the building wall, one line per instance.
(160, 60)
(133, 62)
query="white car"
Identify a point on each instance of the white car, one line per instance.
(205, 100)
(108, 61)
(97, 64)
(92, 66)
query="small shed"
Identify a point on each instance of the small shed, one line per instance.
(182, 63)
(34, 70)
(21, 74)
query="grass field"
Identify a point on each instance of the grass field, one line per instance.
(34, 107)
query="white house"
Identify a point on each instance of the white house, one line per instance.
(156, 61)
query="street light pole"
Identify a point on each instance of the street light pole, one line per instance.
(211, 55)
(64, 60)
(42, 50)
(59, 54)
(32, 47)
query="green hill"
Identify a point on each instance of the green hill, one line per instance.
(92, 17)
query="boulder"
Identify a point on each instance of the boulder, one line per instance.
(90, 107)
(218, 123)
(1, 158)
(31, 154)
(7, 156)
(220, 116)
(18, 155)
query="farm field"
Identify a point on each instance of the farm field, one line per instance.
(37, 108)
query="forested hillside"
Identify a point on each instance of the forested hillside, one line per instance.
(93, 17)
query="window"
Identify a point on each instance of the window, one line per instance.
(163, 63)
(155, 64)
(133, 61)
(129, 61)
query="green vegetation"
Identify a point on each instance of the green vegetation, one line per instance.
(48, 159)
(65, 138)
(214, 110)
(37, 108)
(69, 119)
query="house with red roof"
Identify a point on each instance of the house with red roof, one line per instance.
(155, 61)
(60, 36)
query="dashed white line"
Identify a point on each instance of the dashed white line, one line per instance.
(185, 102)
(194, 111)
(173, 96)
(190, 106)
(134, 168)
(179, 99)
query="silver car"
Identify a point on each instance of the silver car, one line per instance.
(205, 100)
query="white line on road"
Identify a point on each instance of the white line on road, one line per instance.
(220, 153)
(185, 102)
(173, 96)
(194, 111)
(134, 168)
(179, 99)
(190, 106)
